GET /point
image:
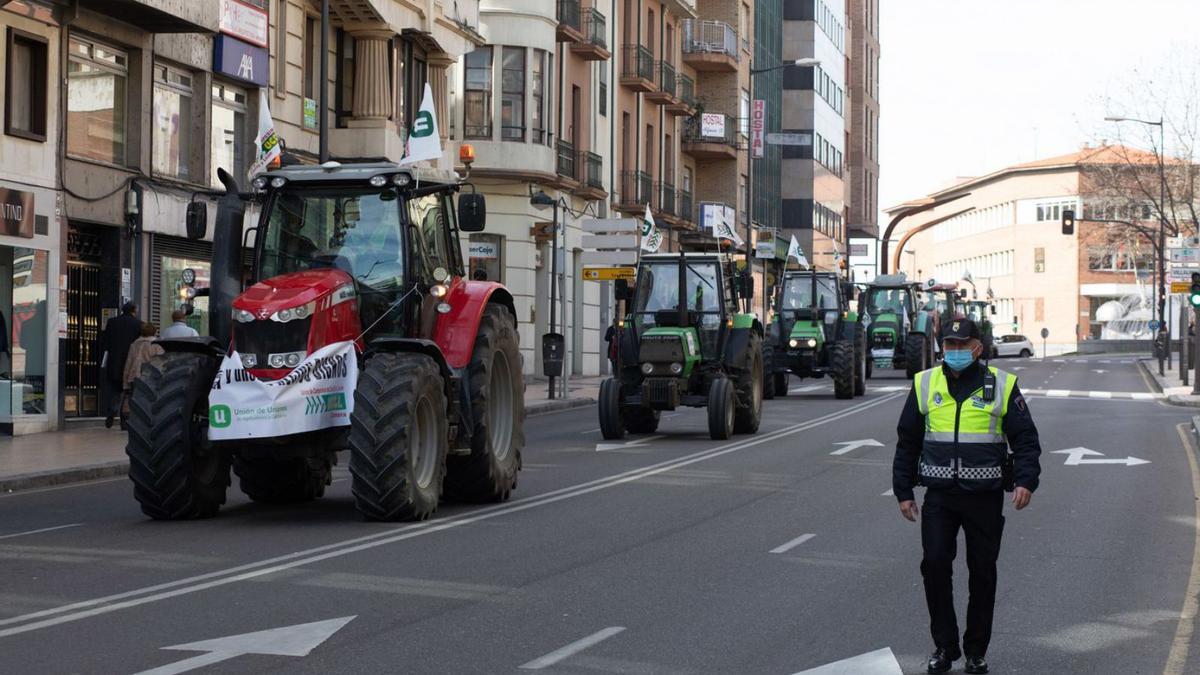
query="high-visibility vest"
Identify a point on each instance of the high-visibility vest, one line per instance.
(964, 444)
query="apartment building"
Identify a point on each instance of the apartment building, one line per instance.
(862, 133)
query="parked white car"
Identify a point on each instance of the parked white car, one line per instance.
(1013, 345)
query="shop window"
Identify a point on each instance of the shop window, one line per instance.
(96, 80)
(171, 139)
(171, 286)
(23, 309)
(25, 86)
(229, 140)
(478, 94)
(485, 257)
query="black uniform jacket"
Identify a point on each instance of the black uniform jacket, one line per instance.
(1019, 429)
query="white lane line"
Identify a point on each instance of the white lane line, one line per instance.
(793, 543)
(84, 609)
(44, 529)
(572, 649)
(889, 493)
(803, 390)
(1142, 396)
(1058, 393)
(589, 431)
(1099, 394)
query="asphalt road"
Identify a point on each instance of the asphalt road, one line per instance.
(662, 554)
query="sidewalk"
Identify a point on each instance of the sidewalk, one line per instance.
(56, 458)
(1168, 384)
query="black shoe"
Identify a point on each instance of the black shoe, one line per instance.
(942, 659)
(976, 665)
(108, 422)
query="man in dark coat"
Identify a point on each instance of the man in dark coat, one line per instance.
(119, 333)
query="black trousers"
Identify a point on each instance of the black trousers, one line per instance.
(980, 515)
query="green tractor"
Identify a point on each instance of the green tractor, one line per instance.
(686, 341)
(815, 333)
(900, 332)
(981, 311)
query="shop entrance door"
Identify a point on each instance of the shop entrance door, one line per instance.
(81, 392)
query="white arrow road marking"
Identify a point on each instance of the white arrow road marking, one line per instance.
(296, 640)
(792, 544)
(605, 447)
(1017, 368)
(1099, 370)
(878, 662)
(44, 529)
(889, 493)
(572, 649)
(854, 445)
(1075, 457)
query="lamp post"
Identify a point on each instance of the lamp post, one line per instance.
(542, 201)
(1160, 290)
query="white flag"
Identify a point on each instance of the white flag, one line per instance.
(651, 237)
(266, 143)
(723, 227)
(794, 251)
(424, 141)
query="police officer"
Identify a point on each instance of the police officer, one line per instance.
(960, 424)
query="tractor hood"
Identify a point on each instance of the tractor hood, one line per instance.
(290, 290)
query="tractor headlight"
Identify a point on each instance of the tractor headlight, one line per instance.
(259, 183)
(444, 308)
(378, 181)
(278, 182)
(242, 316)
(401, 180)
(249, 360)
(647, 368)
(811, 342)
(291, 313)
(438, 290)
(676, 368)
(793, 343)
(285, 359)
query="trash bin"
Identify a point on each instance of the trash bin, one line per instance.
(553, 346)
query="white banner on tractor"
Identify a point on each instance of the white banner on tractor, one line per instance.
(317, 394)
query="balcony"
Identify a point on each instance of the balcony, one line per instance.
(687, 212)
(567, 168)
(667, 200)
(637, 68)
(710, 46)
(667, 80)
(684, 9)
(594, 46)
(570, 21)
(636, 192)
(685, 98)
(592, 186)
(710, 136)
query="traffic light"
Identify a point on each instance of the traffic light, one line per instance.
(1068, 221)
(1194, 292)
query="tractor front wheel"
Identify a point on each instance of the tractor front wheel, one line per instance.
(720, 409)
(612, 428)
(176, 473)
(841, 362)
(489, 472)
(398, 437)
(748, 413)
(781, 384)
(286, 481)
(916, 354)
(860, 364)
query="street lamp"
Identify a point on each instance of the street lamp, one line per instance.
(542, 201)
(1160, 291)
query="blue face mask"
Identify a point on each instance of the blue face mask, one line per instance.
(959, 359)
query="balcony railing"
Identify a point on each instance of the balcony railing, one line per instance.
(696, 131)
(566, 160)
(685, 206)
(667, 78)
(593, 165)
(569, 14)
(636, 188)
(710, 37)
(595, 30)
(687, 91)
(637, 62)
(666, 199)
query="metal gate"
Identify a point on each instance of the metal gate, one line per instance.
(81, 390)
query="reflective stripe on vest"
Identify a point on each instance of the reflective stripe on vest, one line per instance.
(962, 441)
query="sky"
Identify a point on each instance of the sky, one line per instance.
(971, 86)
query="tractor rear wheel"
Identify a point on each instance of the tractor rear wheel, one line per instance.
(176, 472)
(489, 472)
(612, 428)
(781, 384)
(748, 411)
(640, 420)
(860, 364)
(284, 481)
(916, 354)
(768, 379)
(841, 363)
(398, 437)
(720, 409)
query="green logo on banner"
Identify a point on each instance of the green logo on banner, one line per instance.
(422, 125)
(315, 405)
(220, 416)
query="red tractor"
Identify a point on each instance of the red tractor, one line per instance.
(367, 253)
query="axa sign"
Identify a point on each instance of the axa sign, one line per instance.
(240, 60)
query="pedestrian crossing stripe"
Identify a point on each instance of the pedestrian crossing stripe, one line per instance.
(1113, 395)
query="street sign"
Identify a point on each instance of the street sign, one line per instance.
(1183, 242)
(789, 139)
(1181, 286)
(609, 273)
(617, 241)
(1045, 333)
(1154, 324)
(608, 258)
(610, 225)
(1184, 255)
(758, 124)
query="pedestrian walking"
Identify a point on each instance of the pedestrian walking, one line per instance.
(142, 350)
(119, 333)
(966, 435)
(178, 328)
(612, 337)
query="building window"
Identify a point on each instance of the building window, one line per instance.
(602, 88)
(512, 94)
(744, 113)
(477, 94)
(537, 118)
(345, 77)
(743, 199)
(26, 86)
(1052, 211)
(171, 138)
(312, 82)
(744, 26)
(96, 77)
(1039, 260)
(229, 142)
(280, 47)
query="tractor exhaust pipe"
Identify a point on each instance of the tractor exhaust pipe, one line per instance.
(226, 275)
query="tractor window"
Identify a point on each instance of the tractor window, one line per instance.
(887, 300)
(427, 217)
(797, 293)
(658, 288)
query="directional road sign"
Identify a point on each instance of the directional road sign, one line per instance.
(608, 273)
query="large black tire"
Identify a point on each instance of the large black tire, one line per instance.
(398, 437)
(176, 473)
(860, 364)
(720, 409)
(286, 481)
(612, 428)
(781, 383)
(841, 363)
(768, 379)
(748, 411)
(916, 355)
(489, 472)
(640, 420)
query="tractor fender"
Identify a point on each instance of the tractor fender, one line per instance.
(206, 345)
(737, 343)
(922, 324)
(455, 330)
(850, 329)
(412, 345)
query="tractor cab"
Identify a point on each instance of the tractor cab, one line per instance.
(682, 296)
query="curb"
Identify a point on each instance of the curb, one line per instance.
(52, 477)
(559, 405)
(1178, 400)
(1150, 376)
